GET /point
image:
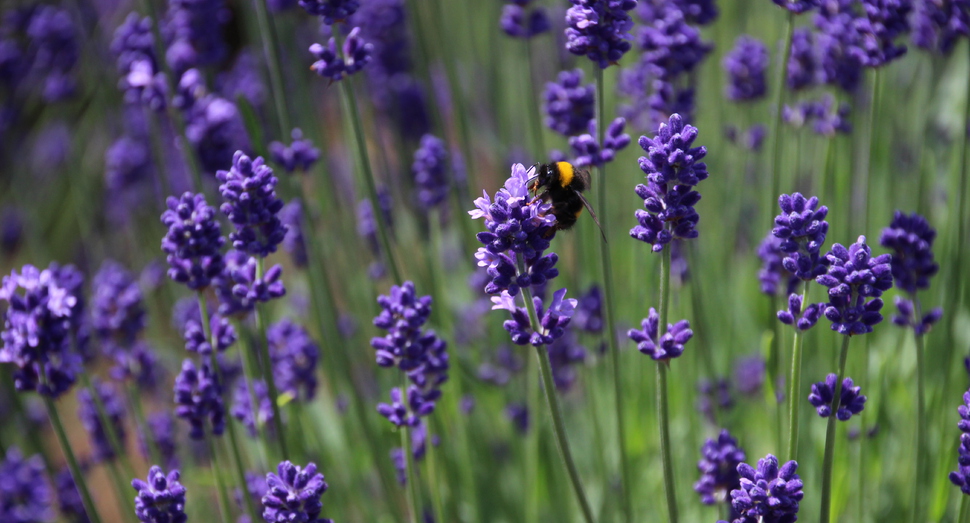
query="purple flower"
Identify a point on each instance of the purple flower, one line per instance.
(248, 288)
(356, 53)
(518, 414)
(749, 374)
(25, 496)
(714, 393)
(193, 30)
(794, 315)
(294, 355)
(746, 66)
(194, 241)
(802, 69)
(850, 400)
(599, 29)
(569, 105)
(242, 406)
(661, 348)
(37, 328)
(801, 227)
(853, 276)
(198, 397)
(331, 11)
(552, 321)
(518, 23)
(907, 316)
(719, 468)
(249, 191)
(11, 230)
(565, 354)
(768, 494)
(114, 411)
(117, 311)
(429, 168)
(140, 365)
(213, 124)
(772, 271)
(937, 25)
(886, 20)
(798, 6)
(53, 48)
(825, 117)
(961, 477)
(588, 151)
(292, 217)
(910, 238)
(294, 495)
(840, 44)
(752, 138)
(673, 168)
(161, 499)
(301, 154)
(589, 311)
(134, 49)
(221, 330)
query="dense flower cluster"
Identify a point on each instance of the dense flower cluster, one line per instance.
(89, 411)
(587, 150)
(795, 316)
(293, 494)
(193, 243)
(355, 54)
(193, 31)
(910, 237)
(40, 51)
(213, 124)
(42, 311)
(661, 347)
(518, 22)
(853, 276)
(552, 320)
(248, 287)
(802, 69)
(908, 317)
(961, 476)
(299, 155)
(719, 469)
(746, 66)
(249, 191)
(773, 271)
(768, 493)
(294, 355)
(569, 105)
(801, 227)
(198, 398)
(937, 25)
(673, 168)
(826, 118)
(117, 311)
(161, 499)
(430, 171)
(25, 496)
(223, 333)
(134, 49)
(851, 400)
(599, 29)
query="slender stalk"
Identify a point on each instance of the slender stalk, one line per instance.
(535, 117)
(241, 473)
(82, 486)
(434, 482)
(114, 438)
(663, 416)
(271, 55)
(776, 126)
(606, 268)
(865, 169)
(220, 485)
(795, 385)
(412, 477)
(962, 203)
(266, 367)
(533, 401)
(920, 420)
(830, 436)
(141, 424)
(964, 509)
(552, 401)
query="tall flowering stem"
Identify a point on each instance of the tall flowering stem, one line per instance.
(663, 415)
(271, 54)
(266, 367)
(606, 267)
(411, 484)
(82, 487)
(795, 384)
(826, 496)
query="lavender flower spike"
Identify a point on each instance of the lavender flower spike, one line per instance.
(294, 495)
(768, 493)
(851, 401)
(801, 227)
(249, 190)
(194, 241)
(161, 499)
(25, 496)
(910, 237)
(299, 155)
(599, 29)
(569, 104)
(854, 276)
(719, 469)
(661, 348)
(806, 320)
(746, 66)
(961, 477)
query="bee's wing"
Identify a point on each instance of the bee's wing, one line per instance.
(591, 213)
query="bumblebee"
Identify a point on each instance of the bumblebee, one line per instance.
(564, 186)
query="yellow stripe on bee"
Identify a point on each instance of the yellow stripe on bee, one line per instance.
(565, 173)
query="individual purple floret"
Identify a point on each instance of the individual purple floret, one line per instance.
(587, 150)
(89, 413)
(599, 29)
(299, 155)
(117, 311)
(25, 496)
(294, 355)
(408, 413)
(568, 103)
(798, 6)
(910, 238)
(719, 469)
(773, 272)
(794, 315)
(331, 11)
(430, 172)
(198, 398)
(242, 406)
(221, 331)
(853, 276)
(801, 226)
(355, 54)
(193, 243)
(294, 495)
(851, 402)
(661, 348)
(826, 118)
(249, 191)
(938, 25)
(161, 499)
(746, 66)
(767, 494)
(802, 70)
(673, 168)
(517, 22)
(907, 316)
(42, 311)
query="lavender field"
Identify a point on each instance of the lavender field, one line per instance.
(401, 261)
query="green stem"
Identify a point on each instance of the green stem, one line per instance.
(271, 55)
(964, 509)
(266, 367)
(552, 401)
(663, 416)
(826, 496)
(534, 116)
(864, 170)
(533, 401)
(141, 424)
(434, 483)
(125, 501)
(776, 127)
(920, 420)
(220, 485)
(962, 202)
(795, 384)
(606, 268)
(241, 473)
(412, 477)
(82, 486)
